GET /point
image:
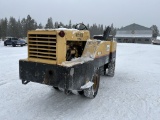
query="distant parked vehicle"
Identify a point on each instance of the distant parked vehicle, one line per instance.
(14, 42)
(156, 41)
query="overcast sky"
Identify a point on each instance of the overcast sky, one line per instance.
(106, 12)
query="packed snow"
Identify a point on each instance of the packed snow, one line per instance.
(76, 61)
(132, 94)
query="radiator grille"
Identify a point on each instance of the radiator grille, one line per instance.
(42, 46)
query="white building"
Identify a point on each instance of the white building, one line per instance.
(134, 33)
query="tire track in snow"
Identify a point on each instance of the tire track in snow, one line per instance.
(2, 83)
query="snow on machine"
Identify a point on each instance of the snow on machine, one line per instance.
(68, 59)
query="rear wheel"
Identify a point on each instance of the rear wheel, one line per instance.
(13, 44)
(93, 90)
(5, 44)
(111, 68)
(102, 69)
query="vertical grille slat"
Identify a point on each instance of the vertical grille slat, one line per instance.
(42, 46)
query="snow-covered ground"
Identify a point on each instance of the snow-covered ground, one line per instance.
(132, 94)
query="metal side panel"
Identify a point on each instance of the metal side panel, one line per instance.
(48, 74)
(69, 78)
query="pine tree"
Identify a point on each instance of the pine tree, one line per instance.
(31, 23)
(61, 24)
(49, 24)
(113, 30)
(56, 24)
(24, 27)
(3, 28)
(12, 27)
(40, 26)
(20, 32)
(28, 24)
(70, 24)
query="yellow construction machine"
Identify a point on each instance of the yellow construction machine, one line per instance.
(68, 59)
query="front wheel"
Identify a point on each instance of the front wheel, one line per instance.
(93, 90)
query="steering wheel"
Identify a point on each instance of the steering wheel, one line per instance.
(81, 26)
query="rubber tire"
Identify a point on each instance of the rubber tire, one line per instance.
(102, 69)
(5, 44)
(111, 68)
(13, 45)
(94, 89)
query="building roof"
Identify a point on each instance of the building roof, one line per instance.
(135, 27)
(134, 30)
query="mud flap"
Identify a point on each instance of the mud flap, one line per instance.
(87, 85)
